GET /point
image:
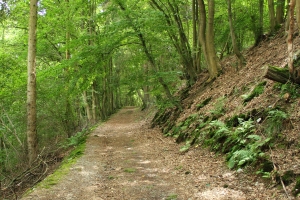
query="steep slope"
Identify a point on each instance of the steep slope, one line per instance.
(252, 120)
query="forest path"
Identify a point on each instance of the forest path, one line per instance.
(125, 160)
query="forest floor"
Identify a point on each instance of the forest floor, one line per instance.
(125, 159)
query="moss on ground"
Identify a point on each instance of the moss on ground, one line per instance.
(63, 169)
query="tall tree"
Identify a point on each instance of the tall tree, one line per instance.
(196, 45)
(172, 14)
(146, 49)
(290, 37)
(31, 84)
(258, 24)
(298, 13)
(272, 16)
(280, 11)
(206, 38)
(235, 46)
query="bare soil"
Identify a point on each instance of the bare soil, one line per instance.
(125, 159)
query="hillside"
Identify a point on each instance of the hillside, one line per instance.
(252, 120)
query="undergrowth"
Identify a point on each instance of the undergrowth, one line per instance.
(244, 142)
(77, 143)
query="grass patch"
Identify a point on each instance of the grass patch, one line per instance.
(172, 197)
(258, 90)
(64, 168)
(130, 170)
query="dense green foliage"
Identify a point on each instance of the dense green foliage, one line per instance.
(93, 57)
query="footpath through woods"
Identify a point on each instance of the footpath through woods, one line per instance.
(125, 160)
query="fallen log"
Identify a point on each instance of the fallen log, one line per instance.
(282, 75)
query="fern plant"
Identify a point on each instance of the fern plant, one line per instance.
(275, 121)
(246, 147)
(217, 134)
(238, 137)
(219, 107)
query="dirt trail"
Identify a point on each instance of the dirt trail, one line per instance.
(124, 159)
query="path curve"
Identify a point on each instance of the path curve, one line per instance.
(125, 160)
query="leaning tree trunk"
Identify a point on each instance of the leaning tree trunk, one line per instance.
(31, 85)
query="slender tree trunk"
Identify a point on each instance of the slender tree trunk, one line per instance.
(236, 50)
(196, 44)
(288, 17)
(69, 117)
(180, 41)
(94, 115)
(104, 94)
(206, 38)
(298, 14)
(272, 16)
(87, 107)
(184, 45)
(259, 26)
(111, 85)
(150, 58)
(202, 28)
(31, 85)
(290, 37)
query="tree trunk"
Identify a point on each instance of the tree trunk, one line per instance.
(258, 27)
(236, 50)
(180, 40)
(94, 115)
(206, 38)
(272, 16)
(87, 107)
(290, 37)
(282, 75)
(280, 11)
(196, 45)
(288, 17)
(151, 59)
(298, 14)
(31, 85)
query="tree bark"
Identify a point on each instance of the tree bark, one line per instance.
(290, 37)
(94, 115)
(282, 75)
(280, 11)
(179, 39)
(151, 59)
(87, 107)
(298, 14)
(272, 16)
(258, 30)
(31, 85)
(196, 44)
(236, 50)
(206, 38)
(288, 17)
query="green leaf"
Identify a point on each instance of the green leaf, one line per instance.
(255, 137)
